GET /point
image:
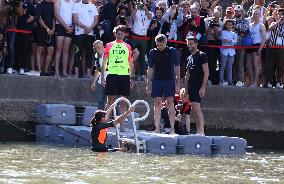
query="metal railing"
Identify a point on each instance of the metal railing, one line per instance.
(137, 142)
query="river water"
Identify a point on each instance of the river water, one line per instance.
(39, 163)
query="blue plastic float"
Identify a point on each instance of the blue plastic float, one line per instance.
(63, 129)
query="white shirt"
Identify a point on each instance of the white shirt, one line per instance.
(141, 23)
(228, 35)
(86, 15)
(255, 31)
(66, 11)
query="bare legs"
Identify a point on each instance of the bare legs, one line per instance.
(62, 49)
(157, 113)
(199, 117)
(252, 66)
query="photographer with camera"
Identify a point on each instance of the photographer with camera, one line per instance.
(182, 115)
(142, 18)
(122, 16)
(213, 26)
(193, 25)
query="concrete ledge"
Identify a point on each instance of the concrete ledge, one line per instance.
(231, 108)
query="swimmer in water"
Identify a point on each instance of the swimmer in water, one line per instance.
(100, 123)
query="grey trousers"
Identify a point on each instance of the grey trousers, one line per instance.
(226, 63)
(238, 68)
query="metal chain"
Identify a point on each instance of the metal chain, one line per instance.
(28, 132)
(13, 107)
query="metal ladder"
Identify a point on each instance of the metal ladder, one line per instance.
(126, 141)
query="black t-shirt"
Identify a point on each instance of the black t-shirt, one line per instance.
(46, 11)
(163, 63)
(131, 43)
(22, 20)
(203, 12)
(99, 136)
(194, 66)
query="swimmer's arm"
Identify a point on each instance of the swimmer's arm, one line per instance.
(101, 126)
(109, 110)
(121, 118)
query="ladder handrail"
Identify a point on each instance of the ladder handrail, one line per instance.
(137, 142)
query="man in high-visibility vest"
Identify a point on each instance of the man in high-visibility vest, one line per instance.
(118, 60)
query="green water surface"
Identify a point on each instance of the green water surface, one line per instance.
(39, 163)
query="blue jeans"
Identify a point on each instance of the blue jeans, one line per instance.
(11, 48)
(100, 91)
(226, 63)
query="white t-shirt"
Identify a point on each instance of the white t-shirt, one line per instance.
(86, 15)
(66, 8)
(141, 23)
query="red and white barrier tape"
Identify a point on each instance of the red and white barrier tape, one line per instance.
(211, 46)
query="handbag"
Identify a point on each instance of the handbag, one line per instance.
(247, 40)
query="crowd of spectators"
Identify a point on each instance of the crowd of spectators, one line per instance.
(55, 37)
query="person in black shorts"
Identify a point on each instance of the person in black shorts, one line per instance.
(45, 34)
(64, 32)
(196, 80)
(118, 60)
(100, 124)
(163, 78)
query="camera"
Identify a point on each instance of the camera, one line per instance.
(122, 20)
(154, 21)
(179, 106)
(141, 6)
(212, 24)
(190, 19)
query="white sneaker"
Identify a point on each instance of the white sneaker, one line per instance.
(167, 130)
(209, 83)
(223, 83)
(22, 71)
(279, 85)
(33, 73)
(240, 84)
(10, 71)
(138, 78)
(269, 85)
(144, 78)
